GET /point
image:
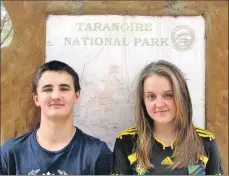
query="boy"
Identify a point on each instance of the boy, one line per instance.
(56, 147)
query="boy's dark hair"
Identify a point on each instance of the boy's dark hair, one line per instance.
(55, 66)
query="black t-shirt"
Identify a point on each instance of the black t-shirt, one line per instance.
(125, 162)
(83, 155)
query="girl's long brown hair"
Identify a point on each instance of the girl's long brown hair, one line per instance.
(188, 144)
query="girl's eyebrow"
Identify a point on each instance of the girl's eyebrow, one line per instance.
(149, 92)
(166, 91)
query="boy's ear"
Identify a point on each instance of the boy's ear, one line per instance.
(35, 99)
(77, 96)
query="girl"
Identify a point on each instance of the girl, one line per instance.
(165, 140)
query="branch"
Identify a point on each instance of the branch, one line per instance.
(4, 20)
(4, 39)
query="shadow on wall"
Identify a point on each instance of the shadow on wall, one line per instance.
(6, 27)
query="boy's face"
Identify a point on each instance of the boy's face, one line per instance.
(56, 94)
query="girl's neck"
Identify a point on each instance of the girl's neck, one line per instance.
(165, 133)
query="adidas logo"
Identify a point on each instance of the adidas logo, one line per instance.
(167, 161)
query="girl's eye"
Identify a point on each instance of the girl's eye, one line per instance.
(151, 97)
(168, 96)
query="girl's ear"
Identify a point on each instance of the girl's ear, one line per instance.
(35, 99)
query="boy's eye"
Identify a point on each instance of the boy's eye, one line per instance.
(47, 90)
(64, 89)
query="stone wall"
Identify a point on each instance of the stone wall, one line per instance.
(27, 52)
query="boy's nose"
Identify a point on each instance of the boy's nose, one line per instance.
(55, 95)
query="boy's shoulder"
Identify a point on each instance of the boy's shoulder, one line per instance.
(16, 143)
(90, 141)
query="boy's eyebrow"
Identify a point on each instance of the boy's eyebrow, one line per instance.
(65, 85)
(46, 86)
(50, 85)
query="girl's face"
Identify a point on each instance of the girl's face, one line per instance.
(159, 99)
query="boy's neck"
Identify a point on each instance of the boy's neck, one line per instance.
(54, 136)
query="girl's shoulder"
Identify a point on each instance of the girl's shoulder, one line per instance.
(205, 133)
(129, 132)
